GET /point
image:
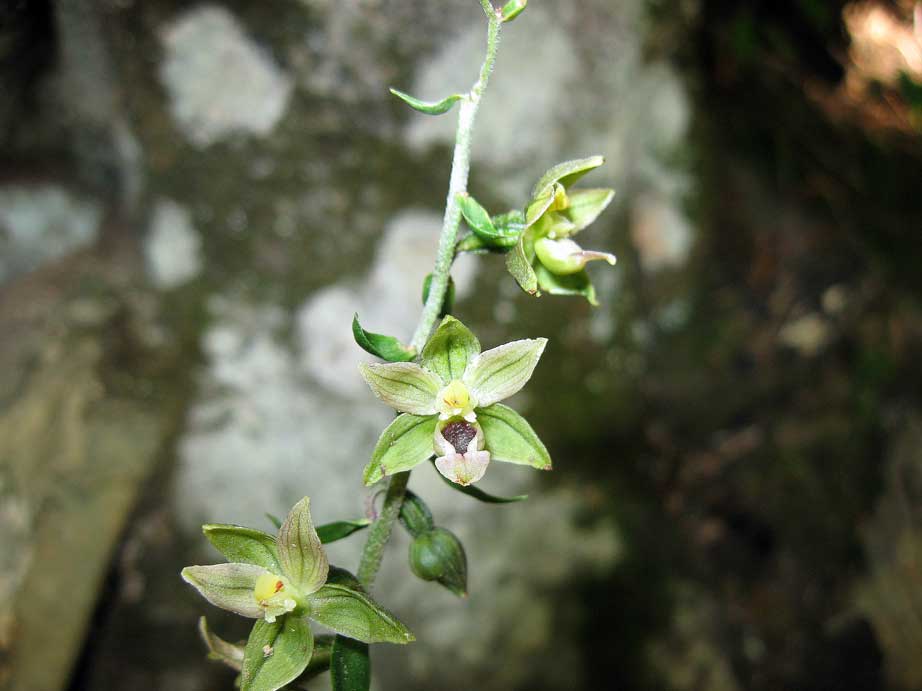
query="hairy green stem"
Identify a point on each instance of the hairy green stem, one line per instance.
(460, 168)
(380, 531)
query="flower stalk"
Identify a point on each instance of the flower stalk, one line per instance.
(380, 531)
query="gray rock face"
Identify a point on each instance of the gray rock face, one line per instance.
(41, 223)
(220, 82)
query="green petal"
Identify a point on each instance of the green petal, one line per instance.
(501, 372)
(352, 613)
(428, 107)
(404, 386)
(404, 444)
(228, 586)
(540, 203)
(567, 173)
(276, 654)
(244, 545)
(449, 350)
(301, 554)
(572, 284)
(510, 438)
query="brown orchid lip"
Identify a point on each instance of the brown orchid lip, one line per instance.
(459, 434)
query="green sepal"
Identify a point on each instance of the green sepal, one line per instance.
(385, 347)
(509, 437)
(404, 444)
(572, 284)
(301, 555)
(415, 515)
(586, 206)
(482, 225)
(513, 9)
(331, 532)
(479, 494)
(350, 612)
(231, 654)
(244, 545)
(448, 303)
(567, 173)
(276, 654)
(428, 107)
(274, 520)
(519, 266)
(450, 349)
(350, 665)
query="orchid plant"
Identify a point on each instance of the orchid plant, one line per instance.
(447, 394)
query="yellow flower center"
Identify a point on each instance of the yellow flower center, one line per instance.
(267, 586)
(455, 401)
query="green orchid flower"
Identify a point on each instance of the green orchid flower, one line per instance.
(281, 582)
(545, 257)
(450, 407)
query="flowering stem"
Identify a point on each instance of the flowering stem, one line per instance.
(380, 531)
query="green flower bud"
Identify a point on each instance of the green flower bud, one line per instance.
(415, 515)
(437, 555)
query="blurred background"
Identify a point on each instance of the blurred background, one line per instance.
(195, 197)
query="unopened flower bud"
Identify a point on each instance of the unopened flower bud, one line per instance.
(437, 555)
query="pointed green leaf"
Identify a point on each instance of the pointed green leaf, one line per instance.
(228, 586)
(404, 444)
(513, 9)
(472, 244)
(518, 264)
(352, 613)
(274, 520)
(404, 386)
(331, 532)
(350, 665)
(385, 347)
(244, 545)
(510, 438)
(449, 302)
(301, 555)
(276, 654)
(480, 495)
(572, 284)
(481, 224)
(219, 649)
(501, 372)
(449, 350)
(567, 173)
(428, 107)
(586, 206)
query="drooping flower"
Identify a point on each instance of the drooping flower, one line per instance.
(546, 258)
(450, 407)
(282, 582)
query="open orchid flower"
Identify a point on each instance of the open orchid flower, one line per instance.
(281, 582)
(450, 407)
